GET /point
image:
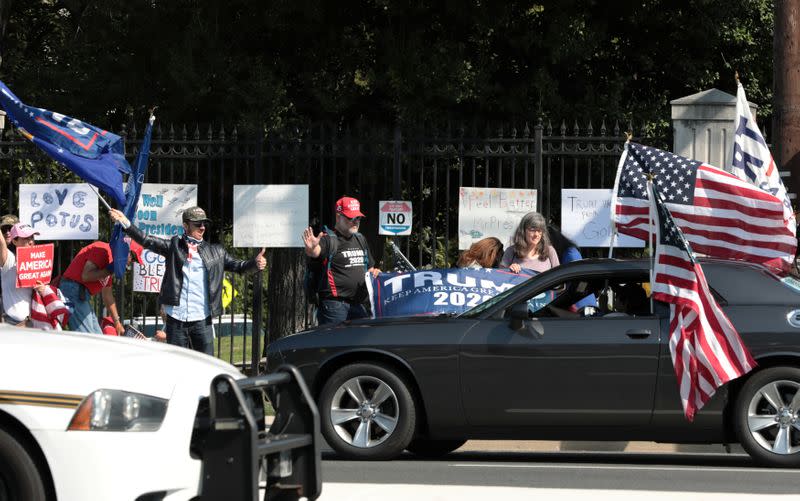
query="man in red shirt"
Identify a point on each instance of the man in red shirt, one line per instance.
(91, 272)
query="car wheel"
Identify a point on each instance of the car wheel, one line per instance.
(768, 417)
(19, 475)
(427, 448)
(367, 412)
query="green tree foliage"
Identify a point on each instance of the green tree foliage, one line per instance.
(251, 63)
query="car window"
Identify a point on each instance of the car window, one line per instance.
(592, 298)
(791, 282)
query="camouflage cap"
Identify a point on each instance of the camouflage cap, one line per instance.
(8, 220)
(194, 214)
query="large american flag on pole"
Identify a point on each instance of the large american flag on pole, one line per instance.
(719, 214)
(753, 162)
(706, 350)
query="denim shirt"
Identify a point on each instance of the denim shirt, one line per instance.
(194, 290)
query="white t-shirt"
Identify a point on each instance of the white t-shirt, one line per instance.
(16, 302)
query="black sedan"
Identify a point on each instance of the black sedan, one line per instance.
(519, 368)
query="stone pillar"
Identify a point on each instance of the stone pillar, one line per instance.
(703, 126)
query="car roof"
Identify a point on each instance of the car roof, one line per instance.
(725, 277)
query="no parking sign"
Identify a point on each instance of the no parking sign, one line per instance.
(395, 217)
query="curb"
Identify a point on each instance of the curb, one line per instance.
(587, 446)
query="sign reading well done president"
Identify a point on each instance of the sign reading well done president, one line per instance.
(159, 213)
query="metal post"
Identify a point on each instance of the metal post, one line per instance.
(398, 147)
(258, 300)
(538, 166)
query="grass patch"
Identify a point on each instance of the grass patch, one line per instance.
(235, 350)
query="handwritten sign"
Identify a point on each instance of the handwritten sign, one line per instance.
(59, 211)
(586, 219)
(272, 215)
(491, 212)
(34, 264)
(159, 213)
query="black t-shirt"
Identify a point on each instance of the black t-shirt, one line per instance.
(347, 269)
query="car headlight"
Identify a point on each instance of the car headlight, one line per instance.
(116, 410)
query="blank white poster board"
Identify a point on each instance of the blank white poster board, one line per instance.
(586, 219)
(269, 215)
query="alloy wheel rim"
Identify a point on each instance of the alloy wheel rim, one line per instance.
(772, 417)
(364, 411)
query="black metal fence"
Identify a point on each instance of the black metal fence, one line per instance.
(370, 163)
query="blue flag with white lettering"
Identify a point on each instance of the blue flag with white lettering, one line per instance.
(120, 247)
(440, 291)
(94, 154)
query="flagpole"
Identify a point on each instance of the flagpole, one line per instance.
(99, 196)
(613, 223)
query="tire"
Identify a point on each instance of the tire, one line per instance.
(767, 417)
(19, 476)
(427, 448)
(367, 412)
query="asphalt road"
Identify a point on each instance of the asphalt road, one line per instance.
(537, 475)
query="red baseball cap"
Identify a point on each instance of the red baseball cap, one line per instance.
(349, 207)
(136, 248)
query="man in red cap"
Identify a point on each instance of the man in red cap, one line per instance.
(342, 293)
(90, 272)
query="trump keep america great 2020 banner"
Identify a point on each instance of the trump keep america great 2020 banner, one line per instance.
(439, 291)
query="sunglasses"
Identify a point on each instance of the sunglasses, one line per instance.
(356, 219)
(198, 224)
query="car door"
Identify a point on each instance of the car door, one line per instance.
(560, 371)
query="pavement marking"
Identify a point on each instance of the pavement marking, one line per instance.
(334, 491)
(561, 466)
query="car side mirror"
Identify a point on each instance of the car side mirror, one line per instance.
(518, 315)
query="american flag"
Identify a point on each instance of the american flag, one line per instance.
(753, 162)
(706, 350)
(718, 213)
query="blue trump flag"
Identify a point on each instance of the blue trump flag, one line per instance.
(440, 291)
(94, 154)
(120, 247)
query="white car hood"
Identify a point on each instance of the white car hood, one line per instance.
(33, 360)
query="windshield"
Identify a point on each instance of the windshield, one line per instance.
(487, 304)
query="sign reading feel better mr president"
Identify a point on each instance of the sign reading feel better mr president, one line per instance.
(491, 212)
(395, 217)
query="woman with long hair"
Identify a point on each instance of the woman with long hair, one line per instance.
(531, 247)
(485, 253)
